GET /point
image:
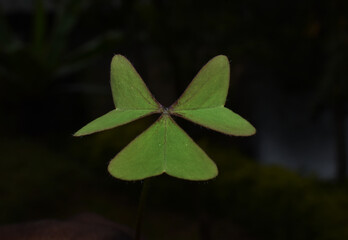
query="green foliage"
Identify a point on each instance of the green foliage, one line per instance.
(276, 203)
(39, 66)
(165, 147)
(30, 67)
(34, 178)
(268, 201)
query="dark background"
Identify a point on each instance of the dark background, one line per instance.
(289, 69)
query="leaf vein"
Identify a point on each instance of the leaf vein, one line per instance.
(165, 144)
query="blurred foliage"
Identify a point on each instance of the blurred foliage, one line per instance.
(37, 70)
(49, 52)
(54, 67)
(272, 202)
(279, 204)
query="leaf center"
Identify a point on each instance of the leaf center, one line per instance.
(165, 110)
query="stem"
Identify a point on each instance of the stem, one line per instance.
(142, 200)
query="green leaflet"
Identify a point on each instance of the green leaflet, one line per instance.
(128, 89)
(208, 89)
(220, 119)
(204, 99)
(165, 148)
(112, 119)
(131, 97)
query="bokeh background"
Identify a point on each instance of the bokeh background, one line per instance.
(289, 70)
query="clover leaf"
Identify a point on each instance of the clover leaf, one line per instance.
(164, 147)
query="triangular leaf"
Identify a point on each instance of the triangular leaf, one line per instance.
(128, 89)
(112, 119)
(131, 97)
(220, 119)
(163, 147)
(184, 158)
(208, 89)
(204, 99)
(143, 157)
